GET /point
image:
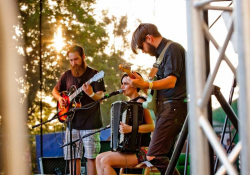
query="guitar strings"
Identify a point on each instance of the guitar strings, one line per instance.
(86, 107)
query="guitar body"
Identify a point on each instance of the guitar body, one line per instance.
(63, 109)
(74, 104)
(73, 98)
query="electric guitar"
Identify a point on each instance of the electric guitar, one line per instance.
(71, 95)
(150, 104)
(127, 69)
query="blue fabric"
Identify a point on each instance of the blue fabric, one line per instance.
(53, 141)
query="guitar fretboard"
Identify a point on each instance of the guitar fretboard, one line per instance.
(78, 91)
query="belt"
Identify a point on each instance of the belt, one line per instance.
(170, 101)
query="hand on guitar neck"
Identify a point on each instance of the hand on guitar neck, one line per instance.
(127, 70)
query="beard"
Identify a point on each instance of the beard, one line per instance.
(152, 50)
(78, 70)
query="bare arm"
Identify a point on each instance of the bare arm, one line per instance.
(89, 91)
(149, 123)
(165, 83)
(58, 97)
(56, 94)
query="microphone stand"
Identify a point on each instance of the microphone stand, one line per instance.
(73, 110)
(72, 145)
(95, 102)
(86, 135)
(53, 118)
(70, 116)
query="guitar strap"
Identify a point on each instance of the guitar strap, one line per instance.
(158, 62)
(150, 103)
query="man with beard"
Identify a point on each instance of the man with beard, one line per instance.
(171, 91)
(85, 121)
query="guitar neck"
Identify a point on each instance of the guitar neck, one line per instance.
(130, 74)
(127, 71)
(77, 92)
(96, 77)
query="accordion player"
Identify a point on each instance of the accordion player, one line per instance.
(130, 113)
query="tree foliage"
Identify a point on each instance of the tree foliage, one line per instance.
(76, 20)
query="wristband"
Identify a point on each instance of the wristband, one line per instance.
(92, 95)
(150, 85)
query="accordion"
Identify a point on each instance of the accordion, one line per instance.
(130, 113)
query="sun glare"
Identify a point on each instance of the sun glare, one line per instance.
(58, 40)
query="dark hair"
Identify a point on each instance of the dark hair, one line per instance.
(126, 75)
(140, 34)
(76, 48)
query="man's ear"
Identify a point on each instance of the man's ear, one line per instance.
(149, 38)
(83, 56)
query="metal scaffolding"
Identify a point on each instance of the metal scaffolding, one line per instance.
(200, 87)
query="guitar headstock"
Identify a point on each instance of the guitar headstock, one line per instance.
(127, 69)
(124, 67)
(98, 76)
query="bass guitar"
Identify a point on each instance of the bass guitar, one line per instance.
(150, 104)
(71, 95)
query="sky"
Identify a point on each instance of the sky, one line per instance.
(170, 18)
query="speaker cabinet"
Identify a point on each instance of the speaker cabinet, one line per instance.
(53, 165)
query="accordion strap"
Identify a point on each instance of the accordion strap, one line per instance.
(135, 126)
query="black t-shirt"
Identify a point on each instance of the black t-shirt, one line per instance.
(173, 63)
(84, 119)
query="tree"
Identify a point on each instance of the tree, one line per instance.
(75, 21)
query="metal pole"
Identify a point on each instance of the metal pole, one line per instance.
(243, 78)
(232, 158)
(226, 107)
(226, 119)
(187, 157)
(41, 75)
(196, 69)
(221, 153)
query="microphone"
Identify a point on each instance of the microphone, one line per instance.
(112, 94)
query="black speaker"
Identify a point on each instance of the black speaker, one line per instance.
(54, 165)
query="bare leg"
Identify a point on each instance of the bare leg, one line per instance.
(98, 162)
(78, 167)
(115, 159)
(91, 168)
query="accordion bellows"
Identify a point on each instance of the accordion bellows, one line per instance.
(130, 113)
